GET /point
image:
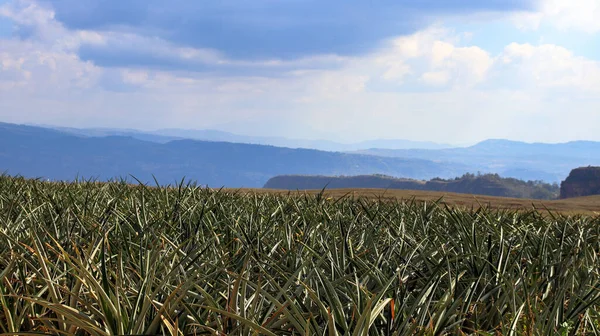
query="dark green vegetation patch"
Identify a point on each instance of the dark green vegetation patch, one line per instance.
(102, 259)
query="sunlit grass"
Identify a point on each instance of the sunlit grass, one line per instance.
(114, 259)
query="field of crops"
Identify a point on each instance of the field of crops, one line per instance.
(113, 259)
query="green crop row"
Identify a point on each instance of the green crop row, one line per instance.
(91, 258)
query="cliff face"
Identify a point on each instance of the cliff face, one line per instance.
(584, 181)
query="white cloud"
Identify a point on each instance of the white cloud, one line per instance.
(135, 77)
(427, 86)
(526, 93)
(436, 78)
(432, 56)
(440, 52)
(396, 71)
(551, 66)
(580, 15)
(12, 73)
(27, 13)
(577, 14)
(44, 71)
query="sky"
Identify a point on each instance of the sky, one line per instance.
(449, 71)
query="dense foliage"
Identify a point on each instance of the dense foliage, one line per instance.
(115, 259)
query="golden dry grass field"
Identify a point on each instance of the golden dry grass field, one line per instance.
(589, 205)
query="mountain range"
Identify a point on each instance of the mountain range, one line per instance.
(527, 161)
(59, 155)
(170, 155)
(170, 134)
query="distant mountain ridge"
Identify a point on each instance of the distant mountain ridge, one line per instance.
(486, 184)
(166, 135)
(59, 155)
(526, 161)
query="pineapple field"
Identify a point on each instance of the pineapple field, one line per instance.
(90, 258)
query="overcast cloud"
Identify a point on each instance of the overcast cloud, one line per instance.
(311, 69)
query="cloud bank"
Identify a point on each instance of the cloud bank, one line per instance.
(343, 71)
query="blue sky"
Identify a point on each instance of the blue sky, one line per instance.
(451, 71)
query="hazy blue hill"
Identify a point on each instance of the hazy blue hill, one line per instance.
(103, 132)
(166, 135)
(400, 144)
(327, 145)
(581, 149)
(528, 161)
(104, 153)
(39, 152)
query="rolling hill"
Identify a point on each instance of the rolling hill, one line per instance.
(170, 134)
(52, 154)
(526, 161)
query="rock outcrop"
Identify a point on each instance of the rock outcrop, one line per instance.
(584, 181)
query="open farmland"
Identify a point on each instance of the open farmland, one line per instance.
(115, 259)
(589, 205)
